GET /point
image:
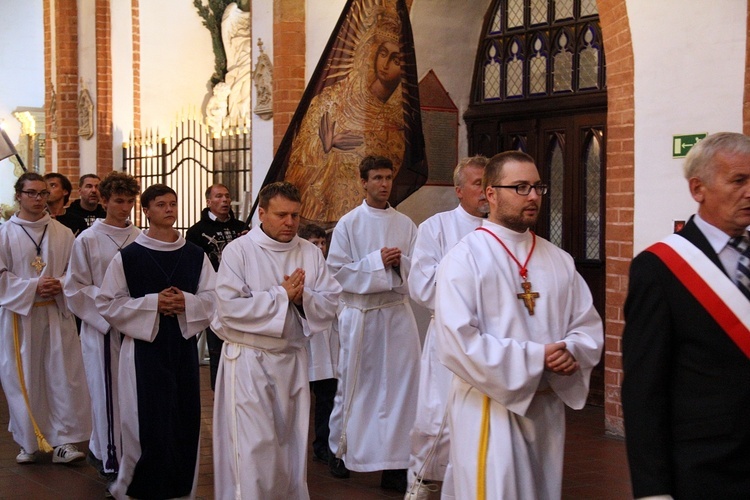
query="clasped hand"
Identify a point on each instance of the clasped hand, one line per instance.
(171, 301)
(294, 284)
(558, 359)
(47, 287)
(391, 257)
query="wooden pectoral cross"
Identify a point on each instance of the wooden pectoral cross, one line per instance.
(528, 297)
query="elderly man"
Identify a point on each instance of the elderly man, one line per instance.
(274, 289)
(435, 236)
(516, 323)
(685, 394)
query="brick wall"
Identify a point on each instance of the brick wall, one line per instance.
(103, 99)
(746, 97)
(66, 85)
(136, 21)
(288, 63)
(619, 196)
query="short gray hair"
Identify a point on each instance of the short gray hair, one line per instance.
(458, 172)
(699, 162)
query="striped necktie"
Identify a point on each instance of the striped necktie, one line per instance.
(742, 275)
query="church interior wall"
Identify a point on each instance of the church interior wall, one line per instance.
(262, 132)
(177, 62)
(21, 73)
(87, 78)
(122, 78)
(689, 78)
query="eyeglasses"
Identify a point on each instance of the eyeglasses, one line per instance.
(36, 194)
(525, 189)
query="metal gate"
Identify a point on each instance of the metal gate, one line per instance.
(190, 160)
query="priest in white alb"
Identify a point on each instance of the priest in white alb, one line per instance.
(92, 253)
(516, 323)
(40, 356)
(378, 373)
(435, 236)
(273, 289)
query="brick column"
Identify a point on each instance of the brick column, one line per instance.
(746, 97)
(288, 63)
(66, 83)
(620, 174)
(103, 98)
(136, 21)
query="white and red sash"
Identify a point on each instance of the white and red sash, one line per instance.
(713, 289)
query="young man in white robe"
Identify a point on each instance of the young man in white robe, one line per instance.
(92, 253)
(273, 288)
(376, 399)
(435, 236)
(45, 386)
(159, 293)
(516, 324)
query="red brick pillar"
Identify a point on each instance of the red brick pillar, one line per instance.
(136, 21)
(288, 63)
(103, 99)
(66, 85)
(746, 97)
(620, 188)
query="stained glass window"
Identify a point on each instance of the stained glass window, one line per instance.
(515, 13)
(588, 61)
(492, 75)
(514, 71)
(541, 48)
(593, 197)
(556, 169)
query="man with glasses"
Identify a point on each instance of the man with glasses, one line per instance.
(516, 323)
(41, 365)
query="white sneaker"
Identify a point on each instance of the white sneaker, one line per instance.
(25, 458)
(66, 453)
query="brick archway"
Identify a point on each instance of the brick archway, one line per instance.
(620, 189)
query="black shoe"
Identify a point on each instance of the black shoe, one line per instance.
(394, 480)
(337, 467)
(321, 457)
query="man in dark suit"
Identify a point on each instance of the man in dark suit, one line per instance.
(686, 344)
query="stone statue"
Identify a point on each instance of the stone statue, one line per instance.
(263, 77)
(216, 109)
(236, 36)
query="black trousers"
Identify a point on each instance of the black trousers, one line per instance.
(214, 344)
(325, 392)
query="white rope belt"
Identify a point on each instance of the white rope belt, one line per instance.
(348, 407)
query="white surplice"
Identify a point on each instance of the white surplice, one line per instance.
(262, 399)
(92, 253)
(138, 319)
(48, 339)
(435, 236)
(486, 336)
(378, 368)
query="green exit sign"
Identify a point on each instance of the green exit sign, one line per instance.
(681, 144)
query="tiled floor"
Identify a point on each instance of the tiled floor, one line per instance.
(595, 467)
